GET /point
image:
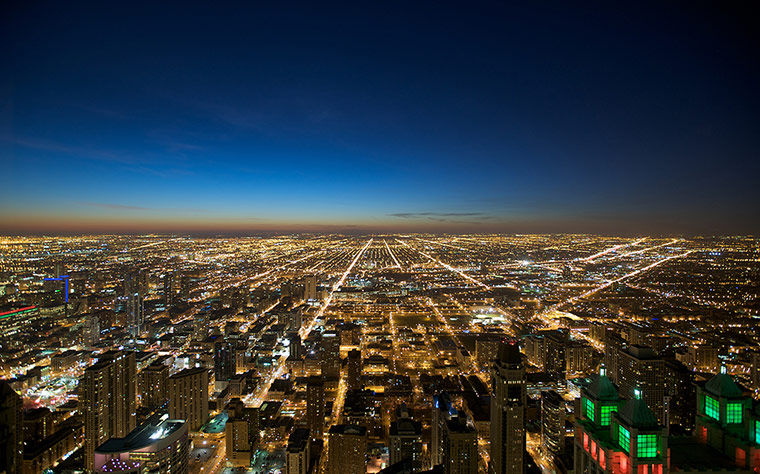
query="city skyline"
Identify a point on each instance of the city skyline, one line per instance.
(610, 119)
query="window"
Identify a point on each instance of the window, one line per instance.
(602, 459)
(606, 415)
(589, 407)
(734, 413)
(712, 407)
(647, 445)
(757, 432)
(624, 439)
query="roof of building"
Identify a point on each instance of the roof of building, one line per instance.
(348, 430)
(722, 385)
(509, 352)
(636, 413)
(156, 429)
(602, 388)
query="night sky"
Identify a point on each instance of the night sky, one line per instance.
(379, 116)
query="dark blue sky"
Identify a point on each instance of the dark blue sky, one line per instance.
(374, 116)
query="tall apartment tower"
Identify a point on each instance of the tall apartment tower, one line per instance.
(188, 397)
(442, 411)
(134, 291)
(241, 433)
(310, 288)
(224, 361)
(107, 395)
(508, 403)
(460, 446)
(329, 355)
(298, 452)
(406, 439)
(315, 406)
(153, 385)
(555, 357)
(11, 430)
(552, 423)
(640, 368)
(354, 370)
(347, 450)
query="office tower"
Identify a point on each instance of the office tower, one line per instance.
(298, 452)
(702, 359)
(640, 368)
(153, 385)
(241, 432)
(200, 326)
(508, 403)
(460, 446)
(580, 358)
(107, 395)
(168, 289)
(310, 288)
(406, 439)
(224, 361)
(613, 346)
(354, 370)
(442, 411)
(188, 397)
(329, 355)
(552, 423)
(295, 347)
(11, 430)
(347, 450)
(679, 387)
(315, 406)
(160, 446)
(555, 362)
(134, 291)
(614, 437)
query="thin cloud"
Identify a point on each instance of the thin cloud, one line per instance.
(122, 207)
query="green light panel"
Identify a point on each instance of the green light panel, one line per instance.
(607, 415)
(734, 413)
(712, 407)
(647, 445)
(757, 432)
(624, 439)
(589, 406)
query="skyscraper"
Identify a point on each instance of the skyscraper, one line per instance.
(188, 397)
(152, 385)
(347, 450)
(405, 440)
(460, 446)
(354, 370)
(552, 423)
(310, 288)
(640, 368)
(508, 403)
(298, 452)
(224, 361)
(11, 430)
(241, 432)
(107, 395)
(315, 406)
(329, 355)
(555, 362)
(134, 291)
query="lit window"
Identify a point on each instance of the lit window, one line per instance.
(624, 439)
(757, 432)
(589, 406)
(606, 415)
(734, 413)
(647, 445)
(712, 408)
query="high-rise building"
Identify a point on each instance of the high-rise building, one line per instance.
(640, 368)
(443, 411)
(160, 446)
(295, 347)
(329, 355)
(310, 288)
(755, 370)
(11, 430)
(107, 395)
(552, 423)
(703, 359)
(354, 370)
(153, 385)
(460, 446)
(681, 392)
(224, 361)
(298, 452)
(555, 361)
(134, 291)
(200, 326)
(613, 346)
(188, 397)
(406, 439)
(241, 432)
(579, 358)
(90, 331)
(315, 406)
(508, 404)
(347, 450)
(169, 282)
